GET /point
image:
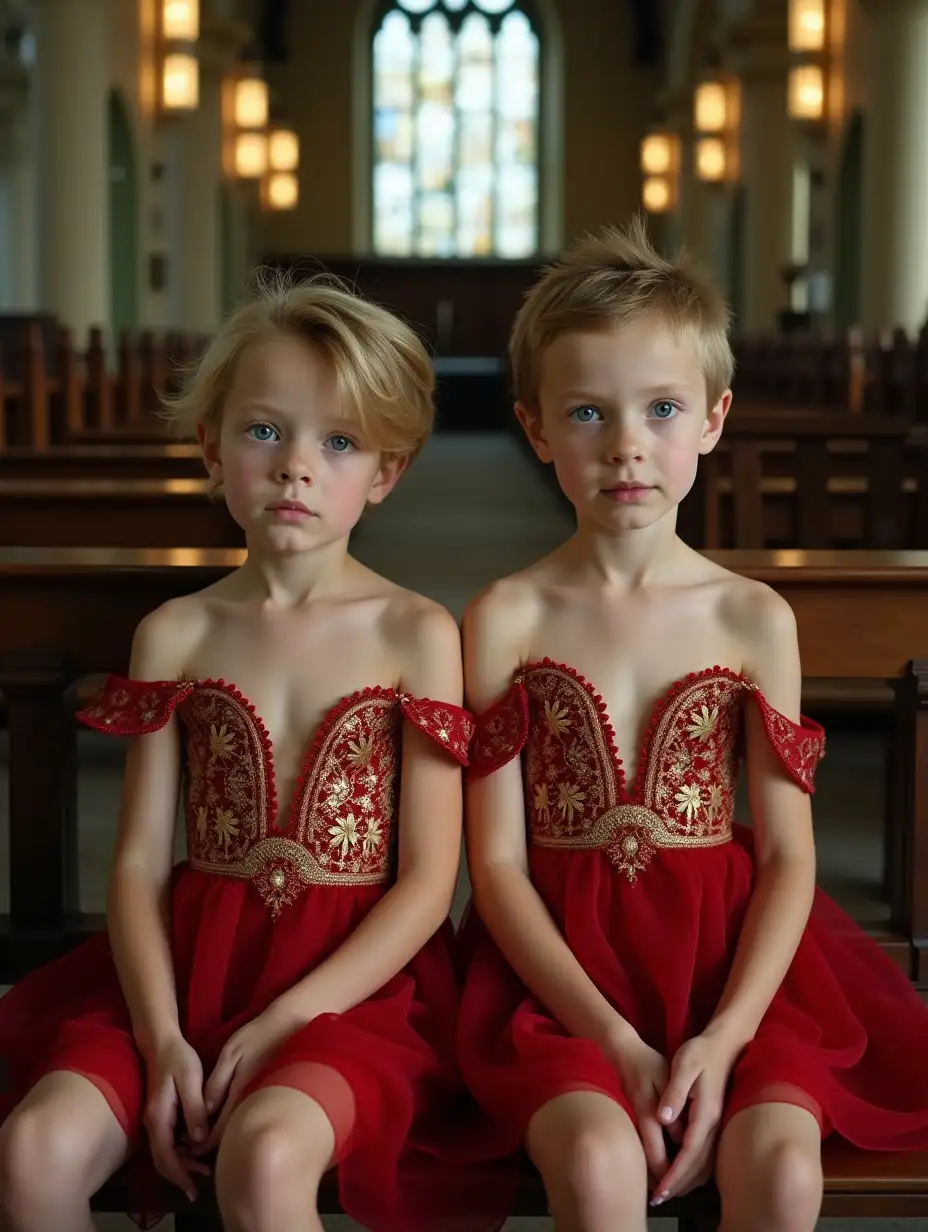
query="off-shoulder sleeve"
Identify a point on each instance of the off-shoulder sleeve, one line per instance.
(133, 707)
(799, 746)
(500, 733)
(451, 727)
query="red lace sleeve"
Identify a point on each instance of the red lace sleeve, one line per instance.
(133, 707)
(799, 746)
(449, 726)
(500, 733)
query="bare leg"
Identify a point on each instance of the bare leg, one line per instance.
(592, 1162)
(275, 1150)
(769, 1170)
(57, 1147)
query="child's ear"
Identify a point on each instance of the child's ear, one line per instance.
(715, 422)
(386, 479)
(534, 429)
(209, 445)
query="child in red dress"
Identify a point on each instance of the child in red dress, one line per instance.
(287, 993)
(655, 995)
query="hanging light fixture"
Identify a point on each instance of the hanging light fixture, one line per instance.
(716, 117)
(713, 164)
(807, 92)
(711, 107)
(251, 101)
(283, 149)
(180, 20)
(655, 195)
(180, 82)
(807, 25)
(178, 69)
(250, 155)
(281, 191)
(660, 164)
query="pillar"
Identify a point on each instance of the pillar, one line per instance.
(895, 259)
(17, 195)
(71, 82)
(761, 60)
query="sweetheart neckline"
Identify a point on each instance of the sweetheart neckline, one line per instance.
(657, 711)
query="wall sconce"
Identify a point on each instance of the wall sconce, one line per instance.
(178, 67)
(660, 161)
(807, 25)
(806, 97)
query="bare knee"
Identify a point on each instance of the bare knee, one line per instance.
(40, 1150)
(790, 1181)
(265, 1168)
(779, 1191)
(593, 1165)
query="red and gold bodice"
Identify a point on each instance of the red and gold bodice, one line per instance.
(340, 829)
(684, 789)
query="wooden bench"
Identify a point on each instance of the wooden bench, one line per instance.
(131, 513)
(180, 460)
(67, 614)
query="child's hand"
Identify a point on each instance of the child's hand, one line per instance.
(238, 1062)
(699, 1075)
(645, 1073)
(175, 1078)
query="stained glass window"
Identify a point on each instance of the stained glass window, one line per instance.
(456, 105)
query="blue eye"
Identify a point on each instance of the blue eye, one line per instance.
(340, 444)
(585, 414)
(263, 432)
(664, 410)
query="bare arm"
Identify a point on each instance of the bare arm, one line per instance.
(782, 814)
(496, 636)
(418, 903)
(139, 885)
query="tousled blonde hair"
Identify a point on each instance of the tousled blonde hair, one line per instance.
(383, 372)
(612, 278)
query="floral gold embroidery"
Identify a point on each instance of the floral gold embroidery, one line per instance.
(226, 827)
(344, 834)
(556, 718)
(689, 801)
(570, 800)
(360, 752)
(702, 722)
(221, 742)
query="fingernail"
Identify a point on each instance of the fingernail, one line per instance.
(666, 1114)
(656, 1201)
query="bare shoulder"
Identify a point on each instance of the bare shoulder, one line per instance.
(498, 627)
(764, 625)
(165, 639)
(427, 643)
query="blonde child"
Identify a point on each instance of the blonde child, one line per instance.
(286, 994)
(648, 1000)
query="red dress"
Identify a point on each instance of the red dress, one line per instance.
(649, 883)
(256, 907)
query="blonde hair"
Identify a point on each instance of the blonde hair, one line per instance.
(612, 278)
(383, 371)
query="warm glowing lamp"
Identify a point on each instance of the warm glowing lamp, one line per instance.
(250, 155)
(656, 195)
(807, 25)
(711, 160)
(251, 102)
(711, 107)
(282, 191)
(658, 153)
(807, 92)
(180, 20)
(180, 82)
(283, 150)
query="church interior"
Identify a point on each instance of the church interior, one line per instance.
(155, 154)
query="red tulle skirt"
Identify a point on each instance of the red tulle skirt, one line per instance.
(395, 1051)
(845, 1037)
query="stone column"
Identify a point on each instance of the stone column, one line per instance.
(195, 180)
(17, 195)
(70, 145)
(760, 57)
(895, 258)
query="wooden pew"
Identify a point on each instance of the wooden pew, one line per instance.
(181, 460)
(67, 614)
(131, 513)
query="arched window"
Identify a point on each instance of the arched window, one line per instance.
(456, 106)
